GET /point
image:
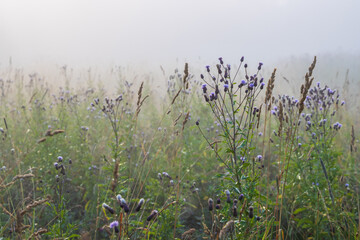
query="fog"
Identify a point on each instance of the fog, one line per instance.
(143, 32)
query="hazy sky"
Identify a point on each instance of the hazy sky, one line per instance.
(89, 32)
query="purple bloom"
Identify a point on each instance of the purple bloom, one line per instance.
(342, 103)
(221, 60)
(208, 68)
(60, 158)
(114, 224)
(204, 88)
(262, 85)
(346, 185)
(242, 59)
(259, 157)
(226, 87)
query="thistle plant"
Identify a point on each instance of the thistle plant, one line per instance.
(232, 98)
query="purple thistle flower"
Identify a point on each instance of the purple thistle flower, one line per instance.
(241, 197)
(245, 66)
(114, 225)
(208, 68)
(262, 85)
(204, 88)
(251, 86)
(201, 76)
(60, 158)
(226, 87)
(259, 157)
(242, 59)
(342, 103)
(56, 165)
(346, 185)
(259, 67)
(221, 60)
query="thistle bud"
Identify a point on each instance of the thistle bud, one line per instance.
(152, 215)
(115, 225)
(211, 204)
(138, 207)
(125, 206)
(228, 200)
(251, 212)
(108, 208)
(235, 214)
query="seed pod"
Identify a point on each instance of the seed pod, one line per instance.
(138, 207)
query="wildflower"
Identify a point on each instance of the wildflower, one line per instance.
(227, 192)
(346, 185)
(241, 197)
(152, 215)
(125, 206)
(242, 59)
(251, 212)
(211, 204)
(70, 161)
(166, 175)
(342, 103)
(235, 214)
(107, 207)
(221, 60)
(251, 86)
(56, 165)
(204, 88)
(260, 134)
(208, 68)
(245, 66)
(115, 225)
(259, 157)
(226, 87)
(258, 218)
(259, 67)
(60, 158)
(159, 176)
(201, 76)
(262, 85)
(197, 122)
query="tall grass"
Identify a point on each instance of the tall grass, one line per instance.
(216, 156)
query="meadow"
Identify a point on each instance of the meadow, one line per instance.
(222, 152)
